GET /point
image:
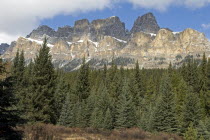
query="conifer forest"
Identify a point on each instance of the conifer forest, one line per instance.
(173, 100)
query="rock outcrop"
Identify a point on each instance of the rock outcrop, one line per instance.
(41, 31)
(3, 48)
(102, 41)
(146, 23)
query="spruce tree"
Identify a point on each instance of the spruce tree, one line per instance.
(67, 116)
(8, 116)
(42, 88)
(83, 85)
(207, 94)
(137, 84)
(192, 110)
(165, 113)
(125, 114)
(108, 120)
(191, 133)
(60, 93)
(96, 119)
(202, 130)
(80, 112)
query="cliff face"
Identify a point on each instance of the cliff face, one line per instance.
(102, 40)
(146, 23)
(3, 48)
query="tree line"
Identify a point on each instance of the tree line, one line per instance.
(156, 100)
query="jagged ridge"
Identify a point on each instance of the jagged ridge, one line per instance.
(103, 39)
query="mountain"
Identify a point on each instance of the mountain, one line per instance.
(3, 48)
(104, 40)
(146, 23)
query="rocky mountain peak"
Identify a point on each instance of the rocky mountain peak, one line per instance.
(64, 31)
(111, 26)
(146, 23)
(3, 47)
(41, 31)
(81, 26)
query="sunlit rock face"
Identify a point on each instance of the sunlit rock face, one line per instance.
(104, 40)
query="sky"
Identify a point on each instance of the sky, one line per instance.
(20, 17)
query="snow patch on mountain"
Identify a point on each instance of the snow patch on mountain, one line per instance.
(123, 41)
(39, 42)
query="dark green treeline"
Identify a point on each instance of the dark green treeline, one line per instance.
(156, 100)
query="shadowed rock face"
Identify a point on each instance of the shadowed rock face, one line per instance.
(97, 29)
(146, 23)
(64, 31)
(105, 39)
(108, 27)
(41, 31)
(3, 48)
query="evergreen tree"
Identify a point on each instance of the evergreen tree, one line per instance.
(138, 87)
(207, 94)
(96, 119)
(67, 116)
(18, 70)
(203, 73)
(192, 111)
(80, 112)
(125, 115)
(203, 131)
(165, 113)
(42, 88)
(83, 85)
(191, 133)
(8, 116)
(60, 93)
(192, 77)
(108, 120)
(15, 64)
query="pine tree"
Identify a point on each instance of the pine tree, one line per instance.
(138, 87)
(96, 119)
(207, 94)
(60, 93)
(42, 88)
(203, 131)
(108, 120)
(80, 112)
(165, 113)
(15, 64)
(83, 85)
(125, 115)
(192, 111)
(8, 116)
(67, 116)
(192, 77)
(203, 73)
(191, 133)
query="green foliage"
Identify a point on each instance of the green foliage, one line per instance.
(8, 115)
(191, 133)
(96, 119)
(67, 117)
(192, 111)
(60, 93)
(83, 85)
(108, 120)
(165, 113)
(42, 88)
(125, 115)
(152, 99)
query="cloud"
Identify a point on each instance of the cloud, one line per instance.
(19, 17)
(205, 26)
(163, 5)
